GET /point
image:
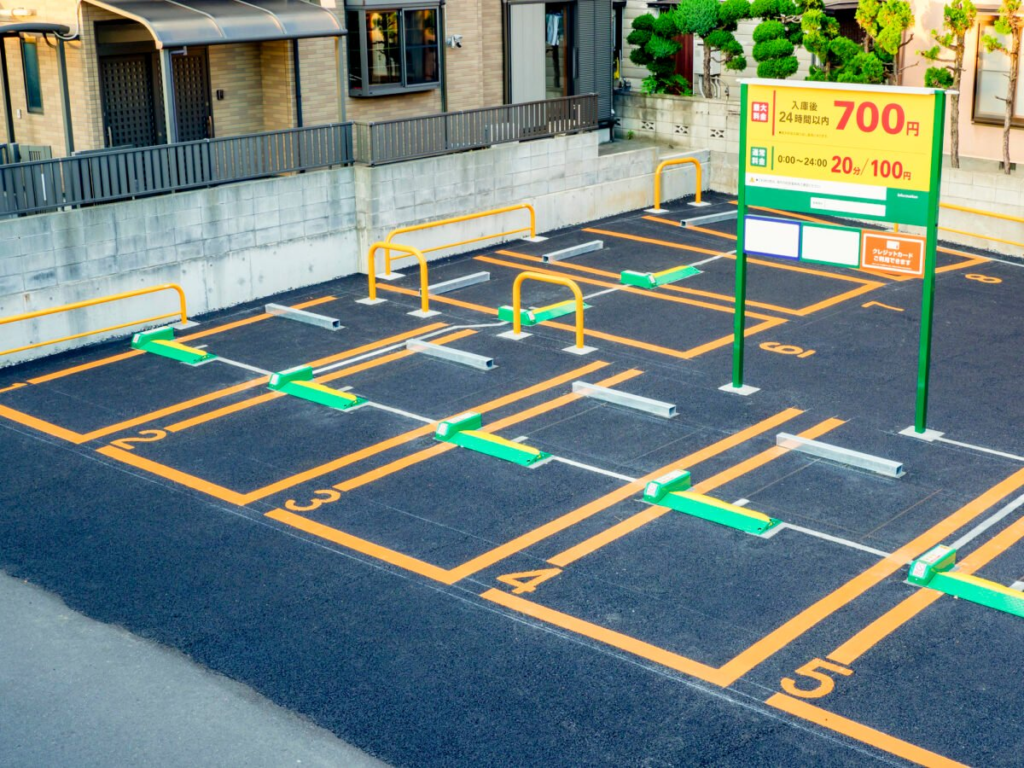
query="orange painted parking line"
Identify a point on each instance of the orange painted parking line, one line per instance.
(861, 733)
(725, 341)
(241, 499)
(41, 426)
(972, 261)
(680, 354)
(176, 408)
(398, 337)
(19, 385)
(188, 404)
(227, 410)
(721, 446)
(651, 513)
(435, 450)
(266, 397)
(441, 299)
(174, 475)
(602, 635)
(190, 337)
(806, 270)
(896, 617)
(619, 286)
(690, 228)
(406, 437)
(864, 581)
(358, 545)
(674, 288)
(665, 243)
(85, 367)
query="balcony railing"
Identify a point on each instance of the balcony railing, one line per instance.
(415, 137)
(122, 174)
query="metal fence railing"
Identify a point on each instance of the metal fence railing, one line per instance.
(393, 141)
(121, 174)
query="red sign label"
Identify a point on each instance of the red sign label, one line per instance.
(891, 252)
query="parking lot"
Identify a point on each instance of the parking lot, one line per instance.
(434, 605)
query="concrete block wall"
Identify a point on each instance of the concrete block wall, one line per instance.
(224, 246)
(568, 179)
(692, 123)
(241, 242)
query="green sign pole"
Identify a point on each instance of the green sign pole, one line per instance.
(928, 283)
(739, 315)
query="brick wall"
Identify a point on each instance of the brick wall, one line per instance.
(278, 85)
(238, 71)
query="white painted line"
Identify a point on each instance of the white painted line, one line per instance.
(982, 450)
(818, 534)
(708, 261)
(741, 502)
(401, 345)
(601, 293)
(1018, 585)
(400, 412)
(246, 366)
(984, 525)
(598, 470)
(835, 539)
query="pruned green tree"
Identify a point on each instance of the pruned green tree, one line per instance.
(714, 23)
(839, 58)
(885, 23)
(776, 37)
(958, 17)
(1009, 24)
(655, 48)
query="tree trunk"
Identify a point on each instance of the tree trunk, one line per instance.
(1011, 89)
(954, 105)
(707, 70)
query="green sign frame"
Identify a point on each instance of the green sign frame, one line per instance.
(913, 208)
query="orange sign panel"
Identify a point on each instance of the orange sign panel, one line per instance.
(890, 252)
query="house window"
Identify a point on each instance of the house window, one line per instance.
(393, 50)
(33, 84)
(990, 83)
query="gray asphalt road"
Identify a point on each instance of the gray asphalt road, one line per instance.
(79, 692)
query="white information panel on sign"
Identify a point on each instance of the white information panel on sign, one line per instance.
(831, 245)
(771, 237)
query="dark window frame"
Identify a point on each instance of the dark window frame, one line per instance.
(983, 119)
(32, 106)
(359, 85)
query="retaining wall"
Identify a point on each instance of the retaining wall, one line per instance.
(237, 243)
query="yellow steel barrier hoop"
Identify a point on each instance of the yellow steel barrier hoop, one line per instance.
(409, 251)
(183, 313)
(388, 241)
(675, 161)
(517, 302)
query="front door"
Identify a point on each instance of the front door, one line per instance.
(127, 94)
(192, 94)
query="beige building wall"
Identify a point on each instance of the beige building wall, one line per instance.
(475, 71)
(48, 128)
(257, 79)
(238, 71)
(977, 140)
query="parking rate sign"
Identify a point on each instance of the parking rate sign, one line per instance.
(828, 148)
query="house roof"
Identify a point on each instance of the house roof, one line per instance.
(178, 23)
